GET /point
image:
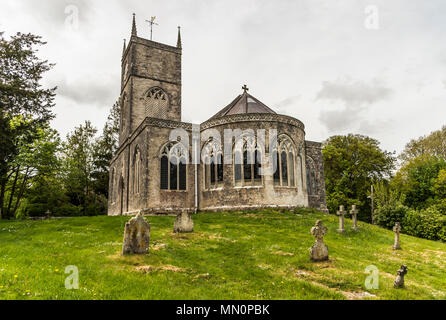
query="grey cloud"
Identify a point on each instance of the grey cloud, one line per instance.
(354, 92)
(355, 96)
(374, 127)
(89, 92)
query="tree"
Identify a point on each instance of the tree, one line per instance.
(418, 181)
(433, 145)
(34, 162)
(352, 163)
(79, 164)
(21, 94)
(105, 148)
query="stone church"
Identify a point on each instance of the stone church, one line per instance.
(153, 175)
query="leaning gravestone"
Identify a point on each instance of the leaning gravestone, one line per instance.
(399, 282)
(183, 223)
(397, 230)
(136, 236)
(319, 252)
(341, 214)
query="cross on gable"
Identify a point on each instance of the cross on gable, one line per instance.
(245, 88)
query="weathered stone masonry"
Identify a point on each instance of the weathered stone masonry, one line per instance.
(142, 181)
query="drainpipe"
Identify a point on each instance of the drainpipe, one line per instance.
(195, 144)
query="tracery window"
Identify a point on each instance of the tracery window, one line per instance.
(285, 158)
(213, 166)
(173, 167)
(156, 103)
(247, 162)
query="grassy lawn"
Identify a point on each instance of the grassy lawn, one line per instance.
(256, 255)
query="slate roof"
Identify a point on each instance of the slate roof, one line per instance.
(244, 103)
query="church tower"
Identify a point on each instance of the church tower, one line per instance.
(150, 82)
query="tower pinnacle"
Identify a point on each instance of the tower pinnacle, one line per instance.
(179, 45)
(134, 32)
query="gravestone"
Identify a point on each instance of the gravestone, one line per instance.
(399, 282)
(136, 236)
(354, 212)
(397, 230)
(319, 251)
(184, 223)
(341, 213)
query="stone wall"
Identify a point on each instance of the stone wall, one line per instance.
(147, 64)
(315, 176)
(229, 197)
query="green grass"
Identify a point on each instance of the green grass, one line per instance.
(255, 255)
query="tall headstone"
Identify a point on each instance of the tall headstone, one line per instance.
(136, 236)
(341, 213)
(319, 251)
(354, 212)
(399, 282)
(184, 223)
(397, 230)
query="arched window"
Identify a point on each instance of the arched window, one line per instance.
(247, 162)
(285, 159)
(311, 177)
(156, 103)
(173, 167)
(213, 173)
(137, 160)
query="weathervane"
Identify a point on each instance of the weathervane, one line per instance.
(152, 23)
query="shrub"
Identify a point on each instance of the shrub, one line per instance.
(429, 223)
(388, 214)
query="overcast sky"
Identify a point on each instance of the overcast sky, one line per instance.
(331, 64)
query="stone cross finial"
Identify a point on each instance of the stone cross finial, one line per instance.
(354, 212)
(399, 282)
(319, 251)
(397, 230)
(341, 213)
(245, 88)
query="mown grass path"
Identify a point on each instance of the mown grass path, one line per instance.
(255, 255)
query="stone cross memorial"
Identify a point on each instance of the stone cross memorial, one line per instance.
(341, 214)
(354, 212)
(136, 236)
(399, 282)
(319, 252)
(184, 223)
(397, 230)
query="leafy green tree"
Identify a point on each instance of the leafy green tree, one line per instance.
(79, 165)
(21, 94)
(105, 148)
(352, 163)
(433, 145)
(34, 162)
(418, 181)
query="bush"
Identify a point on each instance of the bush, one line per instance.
(429, 223)
(67, 210)
(388, 214)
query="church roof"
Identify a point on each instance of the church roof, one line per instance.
(244, 103)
